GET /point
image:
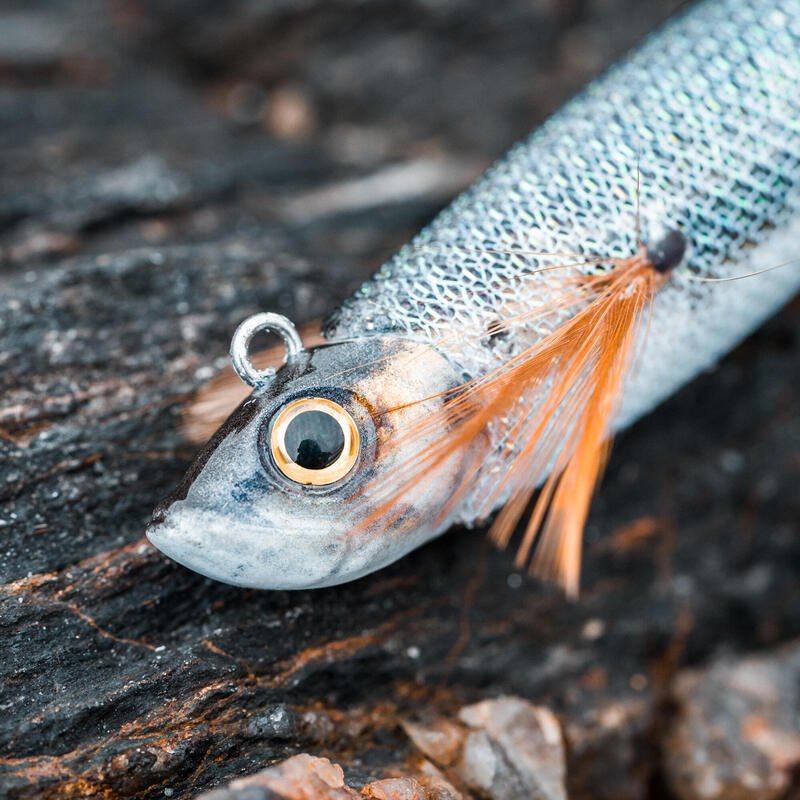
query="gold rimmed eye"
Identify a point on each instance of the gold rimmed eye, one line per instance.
(314, 441)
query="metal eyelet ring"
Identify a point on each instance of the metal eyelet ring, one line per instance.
(266, 321)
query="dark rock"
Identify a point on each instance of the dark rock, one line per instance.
(151, 197)
(277, 722)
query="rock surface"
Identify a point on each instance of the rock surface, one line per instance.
(305, 777)
(737, 733)
(168, 171)
(301, 777)
(502, 749)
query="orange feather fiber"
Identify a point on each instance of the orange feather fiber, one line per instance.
(547, 411)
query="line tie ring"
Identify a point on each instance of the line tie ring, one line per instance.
(266, 321)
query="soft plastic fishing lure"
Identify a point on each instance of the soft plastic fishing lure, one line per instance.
(550, 305)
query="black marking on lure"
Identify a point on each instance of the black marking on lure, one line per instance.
(667, 252)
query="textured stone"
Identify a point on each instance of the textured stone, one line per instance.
(503, 749)
(302, 777)
(736, 734)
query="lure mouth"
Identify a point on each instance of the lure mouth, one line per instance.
(254, 556)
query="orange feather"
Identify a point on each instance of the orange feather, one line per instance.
(576, 375)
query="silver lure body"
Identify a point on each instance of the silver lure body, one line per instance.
(709, 108)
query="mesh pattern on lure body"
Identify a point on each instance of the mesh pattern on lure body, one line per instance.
(710, 107)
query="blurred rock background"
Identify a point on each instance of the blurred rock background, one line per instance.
(167, 168)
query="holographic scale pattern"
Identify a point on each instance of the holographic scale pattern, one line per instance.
(709, 108)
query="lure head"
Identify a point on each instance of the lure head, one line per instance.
(282, 496)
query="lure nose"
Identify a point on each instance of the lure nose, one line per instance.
(159, 515)
(162, 534)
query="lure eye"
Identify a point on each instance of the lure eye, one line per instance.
(314, 441)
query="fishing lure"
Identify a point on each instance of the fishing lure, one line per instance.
(550, 305)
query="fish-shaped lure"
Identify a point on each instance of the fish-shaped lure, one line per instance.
(561, 297)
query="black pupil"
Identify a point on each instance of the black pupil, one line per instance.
(314, 439)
